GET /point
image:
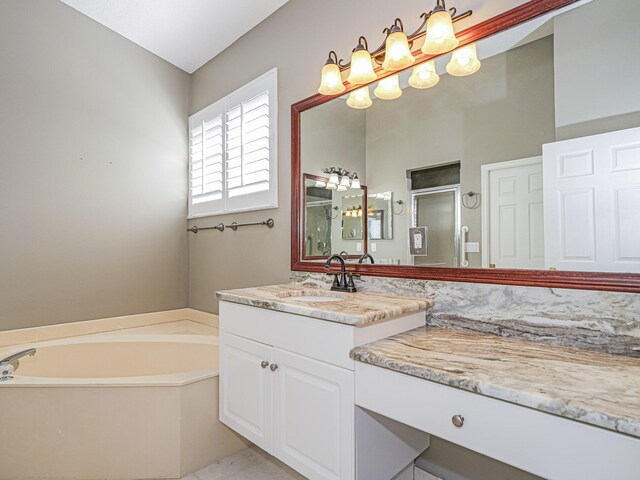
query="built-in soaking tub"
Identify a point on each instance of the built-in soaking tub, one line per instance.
(113, 406)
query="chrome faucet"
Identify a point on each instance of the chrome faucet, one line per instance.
(12, 362)
(365, 256)
(341, 282)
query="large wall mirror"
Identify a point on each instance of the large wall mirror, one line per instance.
(525, 172)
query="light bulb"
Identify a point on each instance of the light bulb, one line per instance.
(360, 98)
(331, 81)
(440, 36)
(464, 61)
(424, 75)
(388, 88)
(361, 66)
(397, 52)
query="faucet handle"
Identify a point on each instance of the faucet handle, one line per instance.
(350, 285)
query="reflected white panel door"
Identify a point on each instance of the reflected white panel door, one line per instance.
(515, 214)
(313, 417)
(246, 389)
(592, 203)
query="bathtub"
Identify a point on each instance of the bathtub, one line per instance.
(113, 406)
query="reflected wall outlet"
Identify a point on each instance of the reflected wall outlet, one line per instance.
(374, 247)
(358, 247)
(472, 247)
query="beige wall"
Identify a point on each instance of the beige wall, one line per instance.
(597, 91)
(92, 171)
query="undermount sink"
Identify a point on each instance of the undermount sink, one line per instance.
(315, 298)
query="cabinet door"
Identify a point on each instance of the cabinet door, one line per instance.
(313, 417)
(246, 388)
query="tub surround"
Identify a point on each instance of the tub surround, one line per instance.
(607, 322)
(356, 309)
(590, 387)
(23, 336)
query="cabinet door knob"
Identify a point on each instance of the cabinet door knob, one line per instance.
(274, 367)
(264, 364)
(457, 420)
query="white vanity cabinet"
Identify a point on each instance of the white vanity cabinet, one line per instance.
(287, 384)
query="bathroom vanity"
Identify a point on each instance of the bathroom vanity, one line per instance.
(344, 386)
(287, 382)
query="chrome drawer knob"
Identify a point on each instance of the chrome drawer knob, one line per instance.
(264, 364)
(274, 367)
(457, 420)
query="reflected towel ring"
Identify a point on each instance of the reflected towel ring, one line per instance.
(470, 195)
(401, 203)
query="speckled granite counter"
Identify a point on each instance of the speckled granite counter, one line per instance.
(358, 309)
(590, 387)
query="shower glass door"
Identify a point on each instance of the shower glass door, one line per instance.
(438, 209)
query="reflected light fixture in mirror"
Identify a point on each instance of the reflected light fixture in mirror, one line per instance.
(424, 75)
(388, 88)
(331, 81)
(360, 98)
(440, 36)
(398, 54)
(361, 65)
(464, 61)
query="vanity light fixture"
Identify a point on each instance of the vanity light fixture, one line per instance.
(388, 88)
(331, 81)
(398, 54)
(361, 64)
(393, 54)
(360, 98)
(424, 75)
(440, 37)
(464, 61)
(355, 181)
(320, 184)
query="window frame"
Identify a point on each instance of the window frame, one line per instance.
(224, 106)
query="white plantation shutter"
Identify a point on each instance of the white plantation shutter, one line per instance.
(206, 161)
(232, 151)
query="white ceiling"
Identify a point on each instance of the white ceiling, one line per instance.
(186, 33)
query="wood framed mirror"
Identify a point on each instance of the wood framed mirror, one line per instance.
(472, 199)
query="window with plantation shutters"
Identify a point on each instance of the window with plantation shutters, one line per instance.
(232, 151)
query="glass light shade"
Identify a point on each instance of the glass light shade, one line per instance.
(398, 55)
(342, 188)
(331, 82)
(320, 184)
(440, 37)
(355, 183)
(388, 88)
(334, 179)
(345, 182)
(361, 68)
(464, 61)
(360, 98)
(331, 186)
(424, 75)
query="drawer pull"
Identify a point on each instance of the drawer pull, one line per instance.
(458, 421)
(274, 367)
(264, 364)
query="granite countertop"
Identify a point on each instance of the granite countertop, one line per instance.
(590, 387)
(357, 309)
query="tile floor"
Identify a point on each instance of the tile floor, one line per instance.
(249, 464)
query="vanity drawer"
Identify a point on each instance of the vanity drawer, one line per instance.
(534, 441)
